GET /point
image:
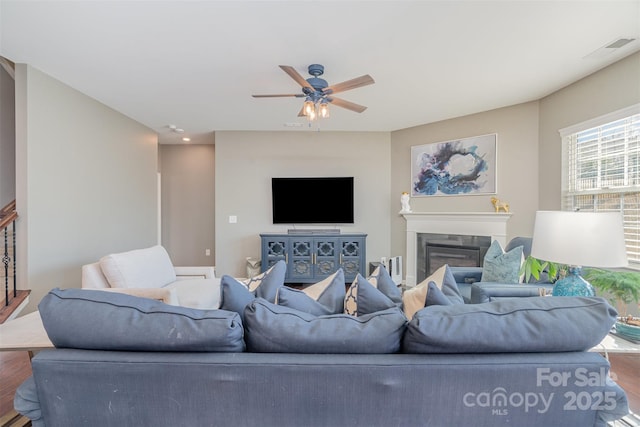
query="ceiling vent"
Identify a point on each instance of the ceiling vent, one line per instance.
(611, 47)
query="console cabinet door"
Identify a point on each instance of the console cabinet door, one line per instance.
(274, 249)
(300, 264)
(352, 254)
(326, 257)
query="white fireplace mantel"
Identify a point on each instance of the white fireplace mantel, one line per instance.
(464, 223)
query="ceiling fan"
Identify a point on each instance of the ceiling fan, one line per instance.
(318, 94)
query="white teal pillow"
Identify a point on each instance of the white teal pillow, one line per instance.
(500, 266)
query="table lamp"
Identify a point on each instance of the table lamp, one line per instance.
(593, 239)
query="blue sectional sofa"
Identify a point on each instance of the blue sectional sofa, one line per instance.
(127, 361)
(474, 290)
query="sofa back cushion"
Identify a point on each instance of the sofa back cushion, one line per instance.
(98, 320)
(514, 325)
(271, 328)
(140, 268)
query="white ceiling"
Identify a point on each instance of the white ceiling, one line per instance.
(196, 64)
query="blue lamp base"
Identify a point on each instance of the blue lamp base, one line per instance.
(573, 285)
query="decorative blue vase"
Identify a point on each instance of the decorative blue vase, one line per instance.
(573, 285)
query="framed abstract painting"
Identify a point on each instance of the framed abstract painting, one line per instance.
(454, 168)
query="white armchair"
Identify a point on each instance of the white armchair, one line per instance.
(150, 273)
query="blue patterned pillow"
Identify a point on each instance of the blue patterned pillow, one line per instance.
(500, 266)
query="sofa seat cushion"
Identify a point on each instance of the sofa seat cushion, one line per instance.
(271, 328)
(140, 268)
(515, 325)
(96, 320)
(203, 294)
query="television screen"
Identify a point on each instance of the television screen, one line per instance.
(312, 200)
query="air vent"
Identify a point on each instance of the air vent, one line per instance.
(619, 43)
(612, 47)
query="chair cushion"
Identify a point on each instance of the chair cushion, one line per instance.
(514, 325)
(324, 297)
(271, 328)
(203, 294)
(96, 320)
(140, 268)
(364, 298)
(500, 266)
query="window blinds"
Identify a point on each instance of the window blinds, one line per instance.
(602, 167)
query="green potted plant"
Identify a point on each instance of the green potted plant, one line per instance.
(622, 287)
(533, 267)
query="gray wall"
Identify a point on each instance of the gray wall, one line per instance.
(86, 182)
(7, 139)
(188, 199)
(517, 170)
(246, 162)
(610, 89)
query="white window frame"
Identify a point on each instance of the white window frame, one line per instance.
(566, 133)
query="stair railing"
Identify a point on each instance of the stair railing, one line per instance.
(8, 216)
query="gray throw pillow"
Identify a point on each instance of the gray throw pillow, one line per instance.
(324, 297)
(381, 280)
(514, 325)
(271, 328)
(363, 298)
(236, 294)
(295, 298)
(97, 320)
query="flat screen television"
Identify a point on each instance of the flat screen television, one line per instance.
(326, 200)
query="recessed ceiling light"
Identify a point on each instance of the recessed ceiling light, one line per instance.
(185, 139)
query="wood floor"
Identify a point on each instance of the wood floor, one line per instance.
(15, 367)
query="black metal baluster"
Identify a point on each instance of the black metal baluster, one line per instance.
(5, 260)
(15, 283)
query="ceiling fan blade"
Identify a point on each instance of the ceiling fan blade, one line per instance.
(346, 104)
(350, 84)
(296, 76)
(279, 95)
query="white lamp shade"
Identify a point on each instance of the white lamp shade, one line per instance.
(590, 239)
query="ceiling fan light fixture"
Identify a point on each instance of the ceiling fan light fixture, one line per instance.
(308, 107)
(324, 109)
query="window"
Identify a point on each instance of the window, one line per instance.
(602, 170)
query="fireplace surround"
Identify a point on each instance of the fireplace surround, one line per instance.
(489, 224)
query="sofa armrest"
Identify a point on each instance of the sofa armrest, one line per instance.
(27, 403)
(467, 274)
(166, 295)
(489, 291)
(185, 273)
(92, 277)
